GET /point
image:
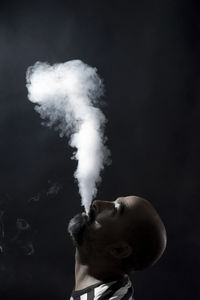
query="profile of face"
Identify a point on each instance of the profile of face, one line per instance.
(127, 230)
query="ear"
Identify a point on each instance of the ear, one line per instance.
(120, 250)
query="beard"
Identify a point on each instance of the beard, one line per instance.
(79, 225)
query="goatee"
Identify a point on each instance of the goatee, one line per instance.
(79, 225)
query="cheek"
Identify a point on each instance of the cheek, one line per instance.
(105, 218)
(109, 221)
(105, 231)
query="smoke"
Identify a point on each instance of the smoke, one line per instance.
(67, 95)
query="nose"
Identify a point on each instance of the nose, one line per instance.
(100, 205)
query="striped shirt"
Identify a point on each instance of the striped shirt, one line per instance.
(116, 290)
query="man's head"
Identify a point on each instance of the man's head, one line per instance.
(124, 235)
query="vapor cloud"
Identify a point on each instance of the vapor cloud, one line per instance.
(67, 96)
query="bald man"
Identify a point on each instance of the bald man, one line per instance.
(116, 239)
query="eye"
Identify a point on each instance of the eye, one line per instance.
(114, 211)
(115, 208)
(120, 207)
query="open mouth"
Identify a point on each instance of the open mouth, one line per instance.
(92, 214)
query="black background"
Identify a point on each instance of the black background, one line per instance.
(148, 54)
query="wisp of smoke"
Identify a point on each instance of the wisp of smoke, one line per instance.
(67, 96)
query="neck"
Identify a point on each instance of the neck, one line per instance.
(82, 277)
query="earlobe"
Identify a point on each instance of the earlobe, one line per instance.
(121, 250)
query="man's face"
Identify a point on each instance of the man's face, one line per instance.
(107, 221)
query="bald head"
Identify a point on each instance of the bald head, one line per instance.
(124, 235)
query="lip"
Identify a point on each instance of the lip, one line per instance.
(92, 214)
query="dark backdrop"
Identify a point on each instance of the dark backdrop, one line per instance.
(148, 54)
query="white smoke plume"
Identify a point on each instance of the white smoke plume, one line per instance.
(67, 95)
